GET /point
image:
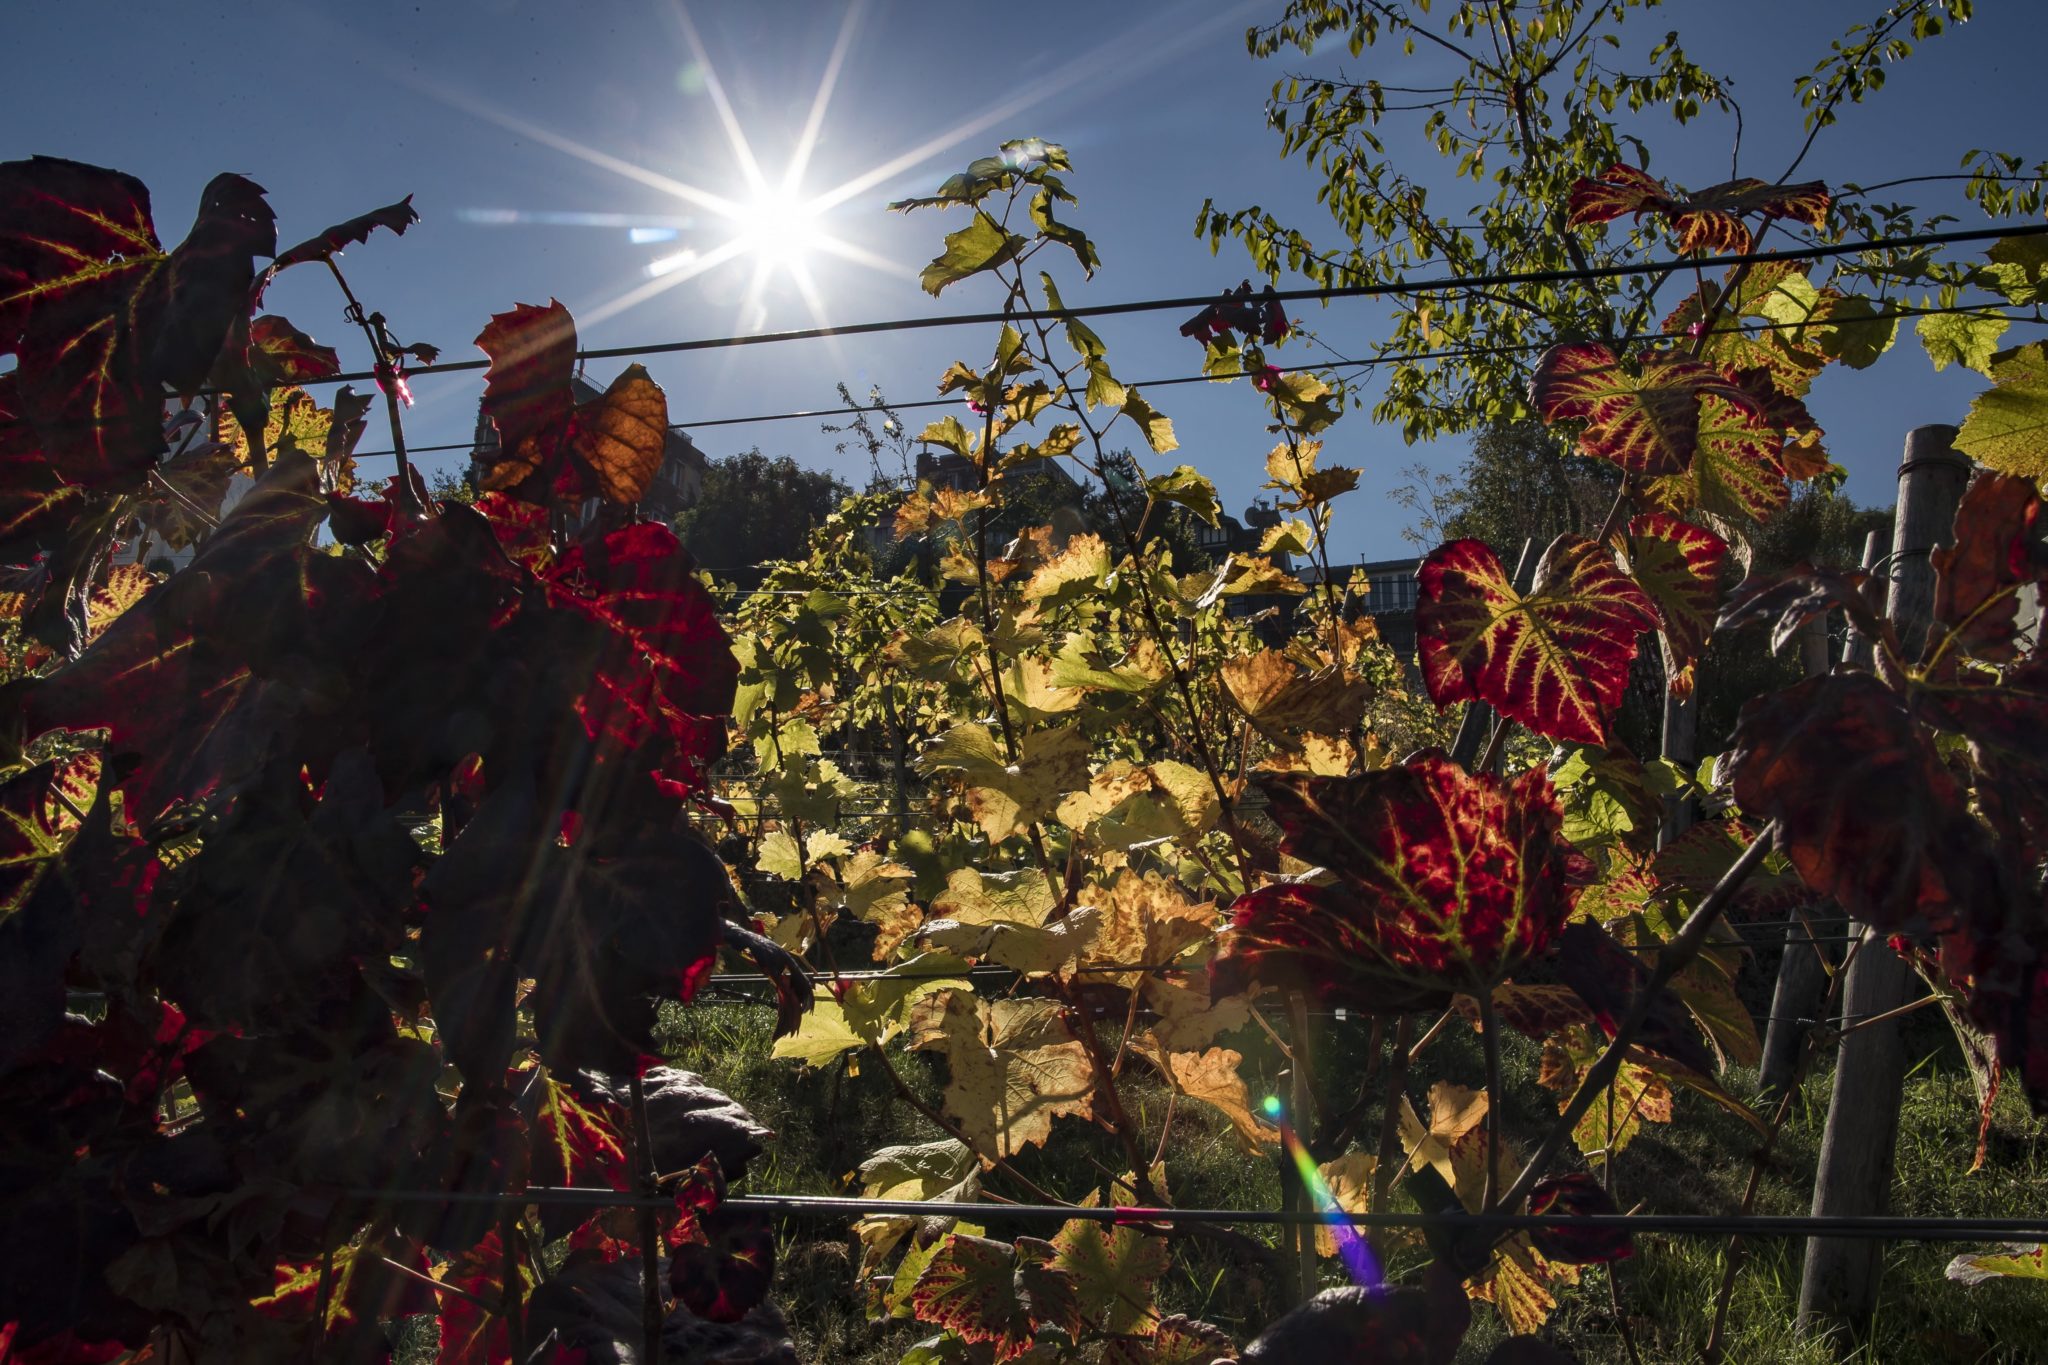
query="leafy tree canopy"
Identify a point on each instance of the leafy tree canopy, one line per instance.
(755, 508)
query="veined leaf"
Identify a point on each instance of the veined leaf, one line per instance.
(1679, 565)
(1444, 882)
(981, 245)
(1965, 339)
(1707, 220)
(1014, 1067)
(1555, 660)
(2007, 428)
(2014, 1260)
(1113, 1270)
(994, 1293)
(1645, 420)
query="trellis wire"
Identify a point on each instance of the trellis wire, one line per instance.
(1342, 363)
(1445, 284)
(843, 1206)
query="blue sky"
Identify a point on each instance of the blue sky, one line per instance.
(540, 112)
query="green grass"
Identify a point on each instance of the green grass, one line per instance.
(827, 1123)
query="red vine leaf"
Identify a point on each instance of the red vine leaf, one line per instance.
(1866, 810)
(100, 318)
(549, 446)
(659, 662)
(1679, 565)
(1555, 660)
(1705, 220)
(1443, 882)
(1995, 551)
(469, 1334)
(987, 1291)
(576, 1143)
(526, 388)
(721, 1259)
(1646, 419)
(1572, 1196)
(280, 353)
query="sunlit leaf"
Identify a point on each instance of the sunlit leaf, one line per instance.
(981, 245)
(1113, 1270)
(1646, 418)
(2007, 428)
(1443, 882)
(1708, 220)
(1679, 565)
(1555, 660)
(2014, 1260)
(1014, 1067)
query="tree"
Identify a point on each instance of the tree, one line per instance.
(1529, 112)
(754, 509)
(1519, 483)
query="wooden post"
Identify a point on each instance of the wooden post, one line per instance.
(1838, 1290)
(1681, 723)
(1802, 977)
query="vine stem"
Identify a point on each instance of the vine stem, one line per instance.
(1489, 1039)
(649, 1232)
(1671, 959)
(1198, 741)
(387, 384)
(1399, 1054)
(440, 1286)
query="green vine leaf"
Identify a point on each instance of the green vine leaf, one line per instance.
(981, 245)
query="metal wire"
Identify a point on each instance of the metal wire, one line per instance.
(1343, 363)
(838, 1207)
(1445, 284)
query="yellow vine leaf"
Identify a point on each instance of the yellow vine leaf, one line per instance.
(1013, 1065)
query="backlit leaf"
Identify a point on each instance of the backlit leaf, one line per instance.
(981, 245)
(1188, 488)
(1811, 758)
(282, 354)
(1708, 220)
(2014, 1260)
(988, 1291)
(1965, 339)
(1444, 882)
(526, 388)
(1679, 565)
(1212, 1076)
(1993, 553)
(99, 318)
(1154, 425)
(623, 434)
(1113, 1270)
(1646, 418)
(1014, 1067)
(1555, 660)
(2007, 428)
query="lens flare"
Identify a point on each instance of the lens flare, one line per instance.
(1352, 1248)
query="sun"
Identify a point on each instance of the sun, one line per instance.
(779, 229)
